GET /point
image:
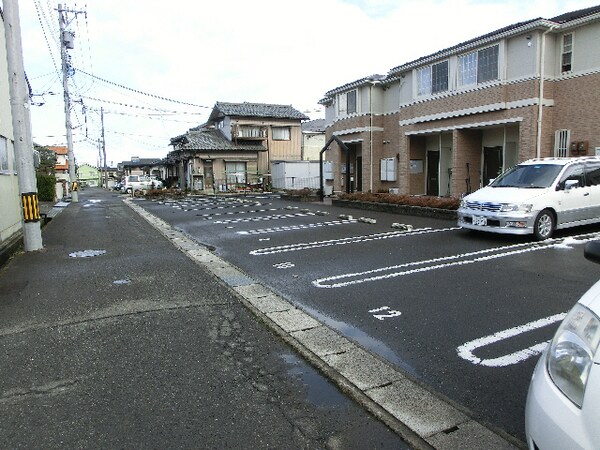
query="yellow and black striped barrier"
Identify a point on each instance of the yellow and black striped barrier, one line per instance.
(31, 207)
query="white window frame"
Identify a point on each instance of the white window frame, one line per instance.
(434, 71)
(468, 67)
(423, 76)
(566, 49)
(562, 142)
(348, 96)
(281, 133)
(343, 106)
(4, 161)
(387, 169)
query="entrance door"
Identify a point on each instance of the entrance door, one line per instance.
(433, 173)
(492, 164)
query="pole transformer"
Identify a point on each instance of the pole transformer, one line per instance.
(21, 124)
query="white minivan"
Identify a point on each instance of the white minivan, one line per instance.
(536, 197)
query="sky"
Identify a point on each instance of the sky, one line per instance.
(149, 71)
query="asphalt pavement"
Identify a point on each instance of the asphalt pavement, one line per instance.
(125, 333)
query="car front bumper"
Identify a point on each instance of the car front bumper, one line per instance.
(504, 223)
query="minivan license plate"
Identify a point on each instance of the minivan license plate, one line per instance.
(482, 221)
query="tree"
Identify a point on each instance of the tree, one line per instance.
(46, 180)
(47, 160)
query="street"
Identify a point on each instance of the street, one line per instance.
(465, 313)
(111, 338)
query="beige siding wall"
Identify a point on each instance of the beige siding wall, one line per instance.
(10, 202)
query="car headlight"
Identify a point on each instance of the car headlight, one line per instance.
(572, 351)
(516, 207)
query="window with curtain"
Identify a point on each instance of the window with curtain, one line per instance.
(235, 171)
(479, 66)
(467, 69)
(250, 131)
(282, 133)
(424, 81)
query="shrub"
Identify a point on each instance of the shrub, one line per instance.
(409, 200)
(46, 187)
(304, 193)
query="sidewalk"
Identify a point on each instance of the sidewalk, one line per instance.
(111, 337)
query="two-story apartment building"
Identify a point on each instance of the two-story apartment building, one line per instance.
(236, 146)
(448, 122)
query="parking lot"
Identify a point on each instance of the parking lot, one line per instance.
(465, 313)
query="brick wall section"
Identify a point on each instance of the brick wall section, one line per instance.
(417, 152)
(469, 142)
(577, 108)
(474, 99)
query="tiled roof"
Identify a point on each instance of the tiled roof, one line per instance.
(314, 126)
(59, 150)
(354, 84)
(211, 140)
(257, 110)
(574, 15)
(141, 162)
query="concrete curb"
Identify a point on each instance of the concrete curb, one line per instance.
(422, 418)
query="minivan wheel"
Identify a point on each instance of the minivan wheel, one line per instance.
(543, 228)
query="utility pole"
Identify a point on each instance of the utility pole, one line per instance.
(66, 43)
(23, 143)
(104, 149)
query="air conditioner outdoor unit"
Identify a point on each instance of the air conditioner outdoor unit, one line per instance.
(394, 191)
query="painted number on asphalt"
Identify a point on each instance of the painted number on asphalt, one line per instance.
(389, 313)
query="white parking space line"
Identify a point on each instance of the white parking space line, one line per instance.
(296, 227)
(415, 267)
(344, 241)
(265, 218)
(465, 351)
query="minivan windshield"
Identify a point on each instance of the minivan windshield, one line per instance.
(528, 176)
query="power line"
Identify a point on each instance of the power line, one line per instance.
(140, 107)
(141, 92)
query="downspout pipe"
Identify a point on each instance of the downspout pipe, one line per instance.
(538, 146)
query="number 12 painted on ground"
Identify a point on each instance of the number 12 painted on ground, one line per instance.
(389, 313)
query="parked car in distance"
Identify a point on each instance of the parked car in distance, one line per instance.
(563, 403)
(132, 183)
(536, 197)
(152, 182)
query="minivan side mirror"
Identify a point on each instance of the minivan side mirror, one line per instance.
(591, 251)
(570, 184)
